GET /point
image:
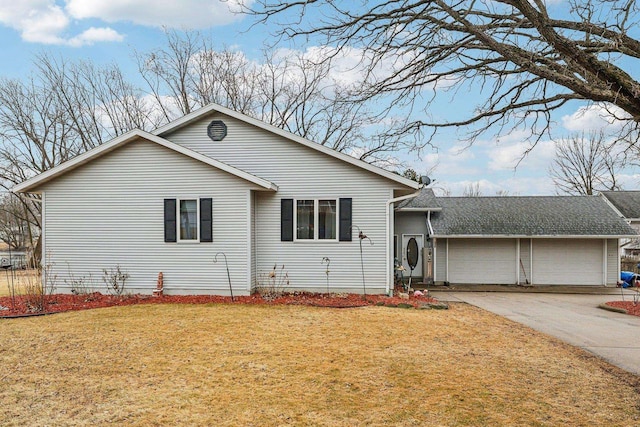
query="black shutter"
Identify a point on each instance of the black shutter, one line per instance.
(206, 220)
(345, 220)
(170, 220)
(286, 220)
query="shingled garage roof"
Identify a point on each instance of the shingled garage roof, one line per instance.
(528, 216)
(627, 202)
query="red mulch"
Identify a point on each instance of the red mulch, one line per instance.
(631, 307)
(66, 302)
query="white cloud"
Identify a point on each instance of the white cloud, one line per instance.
(191, 14)
(44, 21)
(594, 118)
(38, 21)
(48, 21)
(490, 164)
(508, 157)
(93, 35)
(629, 181)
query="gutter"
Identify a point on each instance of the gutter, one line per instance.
(388, 285)
(536, 236)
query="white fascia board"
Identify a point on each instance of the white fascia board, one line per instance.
(612, 206)
(418, 209)
(189, 118)
(524, 236)
(123, 140)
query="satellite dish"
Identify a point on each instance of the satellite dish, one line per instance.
(425, 180)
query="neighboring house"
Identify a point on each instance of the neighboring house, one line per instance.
(217, 181)
(627, 205)
(552, 240)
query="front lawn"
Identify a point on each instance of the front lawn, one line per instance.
(262, 365)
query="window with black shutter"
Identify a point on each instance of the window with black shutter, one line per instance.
(315, 219)
(188, 220)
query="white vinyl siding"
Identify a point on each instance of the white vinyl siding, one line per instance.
(302, 173)
(613, 262)
(524, 263)
(482, 261)
(441, 260)
(568, 262)
(110, 212)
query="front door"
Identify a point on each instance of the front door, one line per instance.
(409, 252)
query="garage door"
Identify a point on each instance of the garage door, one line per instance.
(482, 261)
(567, 262)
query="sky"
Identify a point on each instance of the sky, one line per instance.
(107, 31)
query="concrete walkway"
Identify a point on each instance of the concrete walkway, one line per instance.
(575, 319)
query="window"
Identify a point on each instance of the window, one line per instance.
(188, 220)
(305, 219)
(316, 219)
(327, 219)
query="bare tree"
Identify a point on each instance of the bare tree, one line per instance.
(291, 91)
(472, 190)
(16, 224)
(520, 59)
(60, 111)
(585, 164)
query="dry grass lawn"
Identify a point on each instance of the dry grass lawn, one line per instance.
(229, 365)
(19, 278)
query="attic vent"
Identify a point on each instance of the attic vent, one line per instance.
(217, 130)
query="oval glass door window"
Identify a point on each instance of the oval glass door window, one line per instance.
(412, 253)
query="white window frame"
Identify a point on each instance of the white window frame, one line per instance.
(178, 218)
(316, 216)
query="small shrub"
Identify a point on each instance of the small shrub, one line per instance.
(34, 289)
(115, 280)
(33, 295)
(273, 284)
(80, 285)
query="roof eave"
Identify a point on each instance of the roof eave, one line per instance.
(536, 236)
(418, 209)
(40, 179)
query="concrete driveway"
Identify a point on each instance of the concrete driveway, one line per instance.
(575, 319)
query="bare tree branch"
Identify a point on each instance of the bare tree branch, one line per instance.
(522, 58)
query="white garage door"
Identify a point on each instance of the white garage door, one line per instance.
(482, 261)
(567, 262)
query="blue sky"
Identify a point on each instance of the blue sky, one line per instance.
(107, 31)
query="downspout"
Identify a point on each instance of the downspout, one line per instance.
(429, 227)
(389, 285)
(433, 248)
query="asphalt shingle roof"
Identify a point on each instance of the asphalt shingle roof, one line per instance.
(627, 202)
(426, 199)
(528, 216)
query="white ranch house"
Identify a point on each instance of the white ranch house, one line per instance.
(218, 181)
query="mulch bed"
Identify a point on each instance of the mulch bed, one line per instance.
(631, 307)
(56, 303)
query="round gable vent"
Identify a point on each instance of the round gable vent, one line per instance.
(217, 130)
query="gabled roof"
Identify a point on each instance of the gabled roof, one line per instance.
(626, 202)
(200, 113)
(127, 138)
(426, 200)
(534, 216)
